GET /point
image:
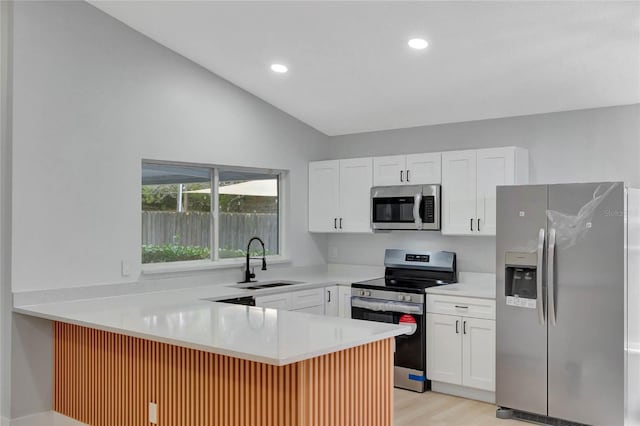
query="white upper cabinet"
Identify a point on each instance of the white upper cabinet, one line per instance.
(355, 191)
(339, 192)
(469, 180)
(412, 169)
(324, 195)
(424, 169)
(458, 192)
(389, 170)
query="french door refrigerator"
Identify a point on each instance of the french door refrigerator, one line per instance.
(561, 297)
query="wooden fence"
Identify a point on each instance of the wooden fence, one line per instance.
(193, 229)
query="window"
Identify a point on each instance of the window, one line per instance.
(248, 207)
(178, 207)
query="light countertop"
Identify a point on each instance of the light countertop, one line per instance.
(187, 317)
(183, 317)
(470, 284)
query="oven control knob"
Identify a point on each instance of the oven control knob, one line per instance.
(407, 298)
(361, 292)
(400, 297)
(367, 293)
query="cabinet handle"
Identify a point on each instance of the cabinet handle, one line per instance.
(471, 224)
(329, 296)
(401, 176)
(478, 224)
(407, 175)
(464, 327)
(457, 326)
(335, 223)
(462, 307)
(340, 223)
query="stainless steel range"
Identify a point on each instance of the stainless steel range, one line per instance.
(399, 297)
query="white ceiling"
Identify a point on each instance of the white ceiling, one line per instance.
(350, 69)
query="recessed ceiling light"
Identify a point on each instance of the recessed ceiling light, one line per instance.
(279, 68)
(418, 43)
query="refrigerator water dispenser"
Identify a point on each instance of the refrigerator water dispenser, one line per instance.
(520, 275)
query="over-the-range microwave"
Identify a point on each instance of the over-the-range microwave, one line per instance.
(405, 207)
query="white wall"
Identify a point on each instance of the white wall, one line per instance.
(92, 99)
(585, 145)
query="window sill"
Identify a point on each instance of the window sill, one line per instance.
(204, 265)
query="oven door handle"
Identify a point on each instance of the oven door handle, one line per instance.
(380, 305)
(417, 201)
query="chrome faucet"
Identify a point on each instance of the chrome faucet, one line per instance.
(248, 275)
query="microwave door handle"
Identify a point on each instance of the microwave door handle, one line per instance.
(417, 201)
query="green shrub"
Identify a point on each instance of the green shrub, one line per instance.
(158, 253)
(155, 253)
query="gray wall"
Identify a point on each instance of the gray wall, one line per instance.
(92, 99)
(584, 145)
(5, 215)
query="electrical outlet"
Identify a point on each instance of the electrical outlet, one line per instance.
(153, 413)
(126, 268)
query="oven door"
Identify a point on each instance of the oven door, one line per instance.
(407, 207)
(409, 360)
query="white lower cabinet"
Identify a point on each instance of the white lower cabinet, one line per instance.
(444, 349)
(344, 301)
(318, 310)
(275, 301)
(332, 301)
(479, 353)
(461, 349)
(311, 301)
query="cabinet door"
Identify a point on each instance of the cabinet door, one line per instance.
(386, 170)
(307, 298)
(444, 348)
(424, 168)
(494, 167)
(331, 301)
(318, 310)
(324, 189)
(479, 353)
(344, 301)
(275, 301)
(356, 177)
(459, 192)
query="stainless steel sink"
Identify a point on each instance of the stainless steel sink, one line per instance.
(266, 284)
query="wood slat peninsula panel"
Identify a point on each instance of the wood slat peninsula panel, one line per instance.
(103, 378)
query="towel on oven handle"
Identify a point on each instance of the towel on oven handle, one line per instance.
(387, 305)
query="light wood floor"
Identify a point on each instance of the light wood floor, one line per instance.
(436, 409)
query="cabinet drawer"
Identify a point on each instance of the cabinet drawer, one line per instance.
(462, 306)
(307, 298)
(275, 301)
(318, 310)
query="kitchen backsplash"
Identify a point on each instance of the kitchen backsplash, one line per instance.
(474, 254)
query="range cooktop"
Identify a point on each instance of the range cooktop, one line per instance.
(414, 271)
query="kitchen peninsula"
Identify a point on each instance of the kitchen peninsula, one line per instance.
(168, 360)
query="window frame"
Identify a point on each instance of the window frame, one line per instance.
(214, 262)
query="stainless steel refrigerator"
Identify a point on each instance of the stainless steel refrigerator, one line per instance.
(562, 303)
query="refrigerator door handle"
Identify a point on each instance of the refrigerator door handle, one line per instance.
(539, 274)
(551, 276)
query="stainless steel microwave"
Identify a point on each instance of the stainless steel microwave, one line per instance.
(405, 207)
